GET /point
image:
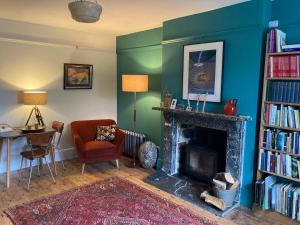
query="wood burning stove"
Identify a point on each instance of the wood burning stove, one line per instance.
(200, 162)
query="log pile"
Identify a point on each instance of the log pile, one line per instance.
(224, 181)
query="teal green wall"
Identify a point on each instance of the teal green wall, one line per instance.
(288, 14)
(140, 53)
(243, 37)
(242, 27)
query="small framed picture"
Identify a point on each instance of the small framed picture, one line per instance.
(78, 76)
(173, 103)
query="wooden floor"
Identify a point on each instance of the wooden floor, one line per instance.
(72, 177)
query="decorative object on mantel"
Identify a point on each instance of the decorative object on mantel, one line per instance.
(34, 98)
(78, 76)
(85, 11)
(167, 99)
(189, 108)
(148, 154)
(202, 71)
(230, 107)
(173, 103)
(134, 83)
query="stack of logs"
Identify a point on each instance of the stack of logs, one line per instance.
(223, 181)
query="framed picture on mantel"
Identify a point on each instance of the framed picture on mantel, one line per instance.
(202, 71)
(78, 76)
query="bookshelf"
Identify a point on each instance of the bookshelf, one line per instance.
(279, 140)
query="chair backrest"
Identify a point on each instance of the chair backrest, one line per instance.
(40, 139)
(87, 129)
(58, 127)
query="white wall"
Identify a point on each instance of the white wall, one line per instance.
(32, 63)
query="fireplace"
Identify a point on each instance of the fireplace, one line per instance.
(197, 145)
(204, 153)
(200, 162)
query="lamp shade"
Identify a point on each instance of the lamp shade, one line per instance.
(134, 83)
(34, 97)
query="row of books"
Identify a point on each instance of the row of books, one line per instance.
(276, 40)
(279, 163)
(272, 194)
(284, 91)
(282, 141)
(283, 116)
(284, 66)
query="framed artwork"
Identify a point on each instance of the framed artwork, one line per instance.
(78, 76)
(202, 71)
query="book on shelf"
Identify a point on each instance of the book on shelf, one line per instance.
(284, 66)
(278, 196)
(279, 163)
(291, 48)
(281, 116)
(281, 141)
(284, 91)
(277, 39)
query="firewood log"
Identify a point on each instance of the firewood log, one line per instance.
(219, 203)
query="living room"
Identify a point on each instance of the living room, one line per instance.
(137, 70)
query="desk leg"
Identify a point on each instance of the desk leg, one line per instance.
(8, 148)
(52, 155)
(1, 145)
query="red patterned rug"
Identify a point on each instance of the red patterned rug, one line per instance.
(110, 202)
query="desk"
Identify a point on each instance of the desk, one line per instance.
(8, 137)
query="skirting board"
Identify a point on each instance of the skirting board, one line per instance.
(64, 154)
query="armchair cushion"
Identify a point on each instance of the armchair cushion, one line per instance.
(106, 133)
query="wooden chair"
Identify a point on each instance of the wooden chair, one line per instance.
(38, 147)
(58, 127)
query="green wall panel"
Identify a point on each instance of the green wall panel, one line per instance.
(140, 53)
(242, 71)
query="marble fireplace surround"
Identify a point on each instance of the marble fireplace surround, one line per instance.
(234, 126)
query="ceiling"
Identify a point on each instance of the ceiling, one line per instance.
(118, 17)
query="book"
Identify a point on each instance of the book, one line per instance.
(290, 48)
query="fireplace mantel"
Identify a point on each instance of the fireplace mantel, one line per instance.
(204, 114)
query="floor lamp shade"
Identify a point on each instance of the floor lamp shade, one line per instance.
(134, 83)
(34, 97)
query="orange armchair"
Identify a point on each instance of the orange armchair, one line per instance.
(91, 151)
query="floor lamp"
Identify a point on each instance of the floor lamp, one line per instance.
(134, 83)
(35, 98)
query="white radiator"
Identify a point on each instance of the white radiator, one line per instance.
(132, 139)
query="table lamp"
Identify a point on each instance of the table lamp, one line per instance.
(134, 83)
(35, 98)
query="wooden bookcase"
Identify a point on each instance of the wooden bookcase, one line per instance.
(260, 173)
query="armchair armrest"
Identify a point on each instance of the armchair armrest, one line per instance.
(78, 144)
(119, 140)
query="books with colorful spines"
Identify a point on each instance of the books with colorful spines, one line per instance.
(272, 43)
(296, 118)
(293, 66)
(291, 48)
(269, 182)
(294, 167)
(280, 39)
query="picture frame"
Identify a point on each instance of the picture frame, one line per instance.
(78, 76)
(203, 71)
(173, 103)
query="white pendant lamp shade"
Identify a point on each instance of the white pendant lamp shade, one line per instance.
(85, 11)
